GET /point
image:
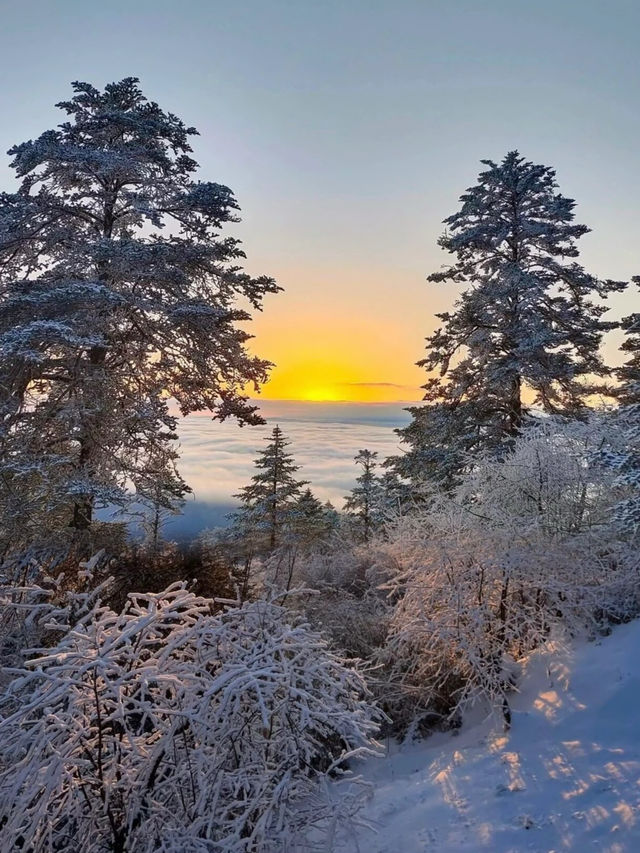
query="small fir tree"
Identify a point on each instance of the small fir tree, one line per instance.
(629, 374)
(310, 519)
(363, 501)
(269, 500)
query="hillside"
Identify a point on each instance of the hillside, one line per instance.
(567, 776)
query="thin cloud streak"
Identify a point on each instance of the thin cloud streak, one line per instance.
(380, 385)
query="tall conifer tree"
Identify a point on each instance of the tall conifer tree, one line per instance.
(117, 290)
(526, 330)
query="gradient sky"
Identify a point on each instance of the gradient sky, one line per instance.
(347, 131)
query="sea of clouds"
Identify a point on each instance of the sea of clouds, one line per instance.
(217, 458)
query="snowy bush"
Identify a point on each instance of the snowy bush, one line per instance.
(621, 454)
(24, 608)
(167, 728)
(36, 606)
(347, 606)
(522, 550)
(355, 626)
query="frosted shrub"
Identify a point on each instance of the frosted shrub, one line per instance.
(347, 604)
(36, 606)
(167, 728)
(522, 550)
(23, 610)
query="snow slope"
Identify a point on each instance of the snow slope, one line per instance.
(566, 777)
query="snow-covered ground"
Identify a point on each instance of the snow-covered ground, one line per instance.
(566, 777)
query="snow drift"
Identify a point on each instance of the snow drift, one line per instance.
(566, 777)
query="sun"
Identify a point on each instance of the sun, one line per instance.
(320, 394)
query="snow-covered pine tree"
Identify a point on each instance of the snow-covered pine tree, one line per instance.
(268, 502)
(394, 495)
(525, 333)
(117, 289)
(363, 501)
(332, 514)
(311, 519)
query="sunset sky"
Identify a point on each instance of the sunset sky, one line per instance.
(347, 130)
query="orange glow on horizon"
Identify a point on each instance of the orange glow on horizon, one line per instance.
(321, 355)
(320, 381)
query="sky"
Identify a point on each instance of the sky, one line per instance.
(347, 130)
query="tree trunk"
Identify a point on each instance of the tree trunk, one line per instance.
(83, 506)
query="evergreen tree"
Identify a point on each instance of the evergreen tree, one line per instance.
(310, 519)
(162, 500)
(268, 502)
(394, 495)
(526, 332)
(332, 514)
(363, 501)
(116, 291)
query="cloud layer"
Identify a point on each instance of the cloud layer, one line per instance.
(217, 459)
